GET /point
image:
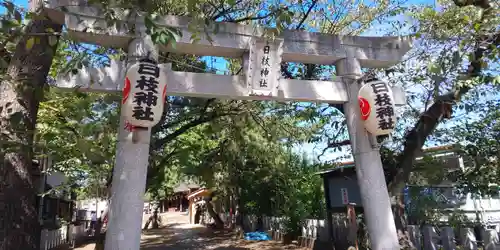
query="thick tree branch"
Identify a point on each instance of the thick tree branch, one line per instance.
(172, 124)
(224, 12)
(254, 18)
(334, 145)
(438, 111)
(203, 119)
(307, 14)
(284, 67)
(484, 4)
(159, 143)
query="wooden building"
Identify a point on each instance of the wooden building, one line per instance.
(178, 200)
(55, 203)
(194, 199)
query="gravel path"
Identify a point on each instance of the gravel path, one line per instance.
(178, 234)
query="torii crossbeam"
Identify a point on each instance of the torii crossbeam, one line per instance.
(111, 78)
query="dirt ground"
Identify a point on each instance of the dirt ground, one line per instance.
(178, 234)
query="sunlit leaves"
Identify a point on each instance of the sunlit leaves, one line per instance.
(480, 145)
(79, 132)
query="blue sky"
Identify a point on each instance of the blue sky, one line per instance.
(23, 3)
(312, 150)
(20, 3)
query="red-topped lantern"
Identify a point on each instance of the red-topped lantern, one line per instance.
(377, 107)
(144, 94)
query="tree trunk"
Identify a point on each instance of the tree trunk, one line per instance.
(20, 94)
(239, 210)
(217, 220)
(146, 225)
(233, 209)
(153, 220)
(99, 236)
(156, 221)
(401, 222)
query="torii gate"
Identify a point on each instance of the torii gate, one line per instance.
(348, 53)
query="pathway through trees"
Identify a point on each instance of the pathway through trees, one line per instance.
(178, 234)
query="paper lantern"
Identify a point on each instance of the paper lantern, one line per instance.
(377, 107)
(144, 94)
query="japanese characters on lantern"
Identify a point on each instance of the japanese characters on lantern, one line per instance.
(265, 58)
(377, 107)
(144, 94)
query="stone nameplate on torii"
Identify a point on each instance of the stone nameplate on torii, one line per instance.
(263, 67)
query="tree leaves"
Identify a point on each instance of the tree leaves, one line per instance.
(29, 43)
(242, 147)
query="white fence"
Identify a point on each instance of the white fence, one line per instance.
(423, 238)
(311, 228)
(448, 238)
(54, 238)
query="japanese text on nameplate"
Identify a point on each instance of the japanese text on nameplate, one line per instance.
(264, 67)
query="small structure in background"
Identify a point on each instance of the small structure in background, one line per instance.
(343, 202)
(55, 203)
(479, 210)
(196, 204)
(342, 194)
(85, 208)
(178, 200)
(341, 188)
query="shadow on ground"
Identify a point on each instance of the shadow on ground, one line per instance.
(178, 234)
(176, 237)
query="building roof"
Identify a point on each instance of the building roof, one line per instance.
(347, 168)
(199, 192)
(341, 170)
(185, 187)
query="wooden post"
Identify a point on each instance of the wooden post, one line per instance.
(179, 202)
(353, 225)
(468, 239)
(429, 237)
(448, 238)
(329, 220)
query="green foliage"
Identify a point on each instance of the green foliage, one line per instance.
(243, 149)
(304, 197)
(246, 158)
(480, 148)
(78, 131)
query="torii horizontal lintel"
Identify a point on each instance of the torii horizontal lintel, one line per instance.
(85, 24)
(207, 85)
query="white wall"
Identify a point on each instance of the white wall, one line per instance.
(55, 179)
(90, 205)
(487, 208)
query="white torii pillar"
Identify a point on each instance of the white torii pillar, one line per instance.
(130, 171)
(371, 179)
